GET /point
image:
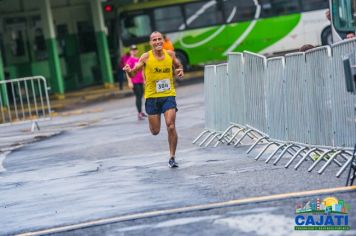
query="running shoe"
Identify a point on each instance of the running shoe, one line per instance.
(172, 163)
(140, 116)
(143, 114)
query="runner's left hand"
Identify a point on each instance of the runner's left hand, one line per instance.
(180, 73)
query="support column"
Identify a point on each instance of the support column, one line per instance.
(57, 82)
(102, 43)
(3, 91)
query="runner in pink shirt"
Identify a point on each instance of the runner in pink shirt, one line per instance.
(136, 82)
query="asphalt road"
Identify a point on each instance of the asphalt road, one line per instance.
(262, 219)
(101, 162)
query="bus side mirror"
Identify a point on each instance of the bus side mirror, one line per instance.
(350, 75)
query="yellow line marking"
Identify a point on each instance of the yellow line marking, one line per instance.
(189, 209)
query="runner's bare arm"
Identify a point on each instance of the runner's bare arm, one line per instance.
(129, 81)
(139, 65)
(176, 64)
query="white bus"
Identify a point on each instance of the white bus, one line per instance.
(205, 31)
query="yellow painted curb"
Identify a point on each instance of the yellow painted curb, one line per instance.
(189, 209)
(59, 96)
(109, 86)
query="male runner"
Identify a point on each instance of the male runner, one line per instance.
(160, 94)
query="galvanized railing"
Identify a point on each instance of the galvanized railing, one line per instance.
(24, 100)
(297, 104)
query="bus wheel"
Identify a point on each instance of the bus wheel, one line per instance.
(326, 36)
(183, 59)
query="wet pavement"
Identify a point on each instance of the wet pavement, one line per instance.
(261, 219)
(101, 162)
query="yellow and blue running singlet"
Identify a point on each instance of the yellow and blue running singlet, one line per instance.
(159, 76)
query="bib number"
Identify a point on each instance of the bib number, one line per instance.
(163, 85)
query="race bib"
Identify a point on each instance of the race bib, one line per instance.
(163, 85)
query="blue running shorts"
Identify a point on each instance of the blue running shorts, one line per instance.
(156, 106)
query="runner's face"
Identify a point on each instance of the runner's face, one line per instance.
(156, 41)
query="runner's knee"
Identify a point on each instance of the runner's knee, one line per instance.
(171, 127)
(154, 131)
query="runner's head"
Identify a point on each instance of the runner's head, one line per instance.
(156, 41)
(133, 50)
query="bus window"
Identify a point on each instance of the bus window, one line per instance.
(266, 8)
(201, 14)
(135, 26)
(310, 5)
(168, 19)
(282, 7)
(237, 10)
(342, 16)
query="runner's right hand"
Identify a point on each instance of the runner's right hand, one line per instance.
(126, 68)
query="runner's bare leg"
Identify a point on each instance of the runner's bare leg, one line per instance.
(170, 118)
(154, 123)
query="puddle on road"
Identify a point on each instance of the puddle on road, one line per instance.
(170, 223)
(80, 112)
(258, 168)
(184, 221)
(2, 158)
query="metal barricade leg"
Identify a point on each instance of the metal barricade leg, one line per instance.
(282, 154)
(255, 144)
(224, 133)
(243, 136)
(206, 138)
(235, 135)
(212, 139)
(343, 168)
(261, 153)
(274, 153)
(328, 162)
(200, 135)
(305, 157)
(35, 126)
(319, 160)
(352, 170)
(295, 156)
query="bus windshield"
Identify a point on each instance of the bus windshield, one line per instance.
(342, 15)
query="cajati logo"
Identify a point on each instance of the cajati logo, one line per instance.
(327, 214)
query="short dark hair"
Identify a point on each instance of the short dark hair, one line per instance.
(306, 47)
(155, 32)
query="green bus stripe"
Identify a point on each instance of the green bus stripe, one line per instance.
(214, 49)
(268, 31)
(265, 33)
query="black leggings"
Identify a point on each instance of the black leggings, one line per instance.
(138, 91)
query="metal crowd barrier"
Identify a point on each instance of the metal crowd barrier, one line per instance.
(24, 100)
(297, 104)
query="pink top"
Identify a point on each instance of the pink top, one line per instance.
(138, 78)
(123, 60)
